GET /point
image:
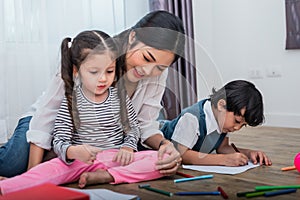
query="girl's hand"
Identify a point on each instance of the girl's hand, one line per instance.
(259, 157)
(124, 156)
(168, 165)
(84, 153)
(235, 159)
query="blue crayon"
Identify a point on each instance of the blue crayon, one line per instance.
(197, 193)
(279, 192)
(193, 178)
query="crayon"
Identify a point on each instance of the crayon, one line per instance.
(266, 187)
(279, 192)
(197, 193)
(255, 194)
(193, 178)
(184, 175)
(288, 168)
(223, 193)
(243, 194)
(148, 187)
(235, 148)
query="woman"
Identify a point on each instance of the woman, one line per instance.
(149, 47)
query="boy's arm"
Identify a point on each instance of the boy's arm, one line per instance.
(226, 156)
(35, 155)
(192, 157)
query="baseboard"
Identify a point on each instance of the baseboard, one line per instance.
(282, 120)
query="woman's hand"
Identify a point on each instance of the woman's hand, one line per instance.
(84, 153)
(168, 165)
(124, 156)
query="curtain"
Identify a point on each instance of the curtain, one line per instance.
(292, 8)
(181, 89)
(31, 32)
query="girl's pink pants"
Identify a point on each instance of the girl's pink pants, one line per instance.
(57, 172)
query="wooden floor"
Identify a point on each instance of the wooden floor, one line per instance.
(280, 144)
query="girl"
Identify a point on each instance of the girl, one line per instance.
(145, 57)
(89, 127)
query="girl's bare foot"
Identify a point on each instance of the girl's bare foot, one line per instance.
(98, 176)
(2, 178)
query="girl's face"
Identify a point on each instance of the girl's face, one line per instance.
(97, 74)
(144, 61)
(227, 121)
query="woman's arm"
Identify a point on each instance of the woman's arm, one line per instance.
(41, 126)
(42, 123)
(146, 103)
(35, 155)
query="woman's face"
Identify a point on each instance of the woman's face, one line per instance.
(144, 61)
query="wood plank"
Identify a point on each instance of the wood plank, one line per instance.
(280, 144)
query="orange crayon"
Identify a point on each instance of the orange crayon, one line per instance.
(288, 168)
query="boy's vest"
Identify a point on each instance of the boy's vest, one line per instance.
(168, 126)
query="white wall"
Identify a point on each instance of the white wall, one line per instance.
(244, 37)
(30, 36)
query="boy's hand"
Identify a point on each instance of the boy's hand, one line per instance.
(235, 159)
(124, 156)
(260, 157)
(84, 153)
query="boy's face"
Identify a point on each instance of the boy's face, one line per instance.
(227, 121)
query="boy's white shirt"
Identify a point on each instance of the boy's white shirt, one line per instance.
(186, 131)
(146, 102)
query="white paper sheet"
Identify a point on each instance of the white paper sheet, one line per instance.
(104, 194)
(221, 169)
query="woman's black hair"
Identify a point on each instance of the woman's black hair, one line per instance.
(241, 94)
(158, 29)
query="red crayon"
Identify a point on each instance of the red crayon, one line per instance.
(184, 175)
(223, 194)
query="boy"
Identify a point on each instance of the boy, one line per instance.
(204, 126)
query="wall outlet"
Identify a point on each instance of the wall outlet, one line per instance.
(274, 72)
(255, 74)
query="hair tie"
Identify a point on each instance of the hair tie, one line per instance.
(70, 43)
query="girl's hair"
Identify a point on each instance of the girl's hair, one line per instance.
(74, 53)
(241, 94)
(160, 30)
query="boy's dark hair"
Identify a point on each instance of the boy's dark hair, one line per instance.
(241, 94)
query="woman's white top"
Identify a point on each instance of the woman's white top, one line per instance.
(146, 102)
